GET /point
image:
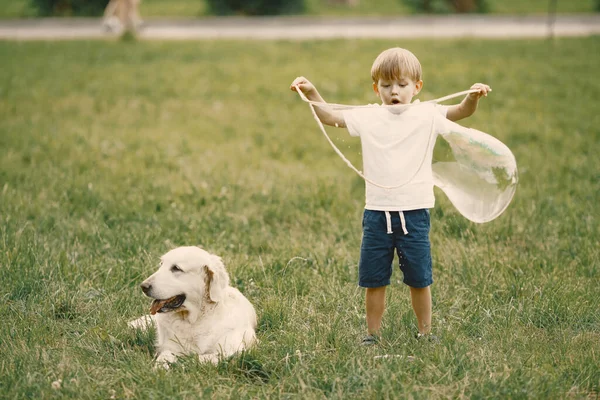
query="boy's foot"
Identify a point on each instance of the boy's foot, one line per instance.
(369, 340)
(428, 337)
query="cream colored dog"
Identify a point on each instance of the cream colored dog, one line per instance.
(194, 308)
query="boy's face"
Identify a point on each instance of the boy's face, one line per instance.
(397, 90)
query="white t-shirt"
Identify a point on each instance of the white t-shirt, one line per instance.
(397, 148)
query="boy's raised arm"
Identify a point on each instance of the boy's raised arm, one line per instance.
(327, 116)
(467, 107)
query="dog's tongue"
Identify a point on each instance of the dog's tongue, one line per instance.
(157, 305)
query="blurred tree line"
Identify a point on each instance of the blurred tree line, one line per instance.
(448, 6)
(263, 7)
(69, 7)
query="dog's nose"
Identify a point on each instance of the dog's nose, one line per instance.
(146, 287)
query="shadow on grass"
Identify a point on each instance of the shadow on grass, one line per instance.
(246, 365)
(142, 340)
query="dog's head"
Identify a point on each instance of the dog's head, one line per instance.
(188, 278)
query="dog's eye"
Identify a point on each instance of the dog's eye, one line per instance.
(175, 268)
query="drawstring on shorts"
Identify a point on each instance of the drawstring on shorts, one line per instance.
(388, 220)
(403, 221)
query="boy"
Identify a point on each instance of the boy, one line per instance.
(397, 146)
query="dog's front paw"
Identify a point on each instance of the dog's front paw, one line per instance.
(164, 360)
(143, 323)
(211, 358)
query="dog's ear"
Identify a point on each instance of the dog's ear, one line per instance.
(218, 280)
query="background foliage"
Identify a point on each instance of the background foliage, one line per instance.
(195, 8)
(255, 7)
(69, 7)
(448, 6)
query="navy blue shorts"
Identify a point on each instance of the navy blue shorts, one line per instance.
(378, 246)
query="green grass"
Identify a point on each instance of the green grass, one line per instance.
(115, 152)
(195, 8)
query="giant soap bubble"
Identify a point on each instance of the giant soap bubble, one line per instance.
(476, 171)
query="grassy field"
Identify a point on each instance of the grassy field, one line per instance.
(196, 8)
(115, 152)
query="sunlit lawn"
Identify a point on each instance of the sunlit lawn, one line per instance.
(114, 152)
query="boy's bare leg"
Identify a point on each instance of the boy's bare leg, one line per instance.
(375, 302)
(110, 8)
(421, 302)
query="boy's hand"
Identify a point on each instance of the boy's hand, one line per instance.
(483, 90)
(468, 106)
(304, 84)
(327, 116)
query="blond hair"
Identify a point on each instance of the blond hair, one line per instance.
(396, 63)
